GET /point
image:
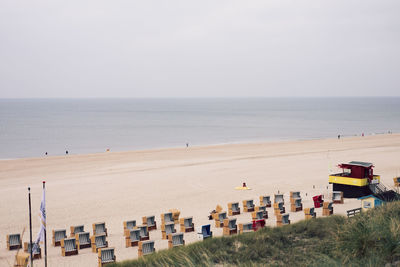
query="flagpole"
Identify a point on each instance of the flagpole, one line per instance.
(30, 226)
(45, 230)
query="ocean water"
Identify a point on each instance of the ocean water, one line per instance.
(31, 127)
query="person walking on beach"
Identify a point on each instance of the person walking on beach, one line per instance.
(66, 152)
(338, 137)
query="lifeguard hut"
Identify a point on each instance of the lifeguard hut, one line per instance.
(356, 180)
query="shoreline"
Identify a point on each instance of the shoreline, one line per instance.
(158, 149)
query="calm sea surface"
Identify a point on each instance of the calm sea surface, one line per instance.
(31, 127)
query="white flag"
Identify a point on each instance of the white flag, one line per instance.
(42, 216)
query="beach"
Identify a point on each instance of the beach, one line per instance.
(113, 187)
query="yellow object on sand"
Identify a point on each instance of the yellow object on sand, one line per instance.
(242, 188)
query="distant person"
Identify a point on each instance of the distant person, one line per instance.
(187, 144)
(45, 153)
(362, 134)
(66, 152)
(338, 137)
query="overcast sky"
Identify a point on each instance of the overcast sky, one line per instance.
(199, 48)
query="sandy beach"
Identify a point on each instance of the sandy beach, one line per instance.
(117, 186)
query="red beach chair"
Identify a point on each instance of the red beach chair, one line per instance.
(258, 224)
(318, 202)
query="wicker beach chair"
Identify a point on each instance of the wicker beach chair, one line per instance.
(233, 208)
(327, 208)
(144, 232)
(257, 215)
(106, 256)
(204, 232)
(265, 201)
(175, 215)
(263, 209)
(69, 247)
(167, 218)
(21, 259)
(128, 226)
(219, 221)
(150, 221)
(58, 234)
(187, 224)
(146, 248)
(36, 252)
(167, 229)
(282, 219)
(248, 205)
(296, 205)
(175, 240)
(83, 240)
(133, 239)
(310, 213)
(99, 228)
(98, 241)
(279, 208)
(245, 227)
(77, 229)
(258, 224)
(14, 241)
(230, 227)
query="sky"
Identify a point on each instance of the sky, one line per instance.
(217, 48)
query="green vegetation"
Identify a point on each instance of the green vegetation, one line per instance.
(369, 239)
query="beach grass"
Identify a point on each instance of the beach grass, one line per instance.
(369, 239)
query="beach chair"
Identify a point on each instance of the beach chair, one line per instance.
(295, 194)
(218, 209)
(99, 228)
(175, 215)
(265, 201)
(258, 224)
(128, 226)
(187, 224)
(167, 229)
(396, 181)
(248, 205)
(219, 221)
(278, 198)
(36, 252)
(318, 201)
(14, 241)
(337, 197)
(58, 234)
(327, 208)
(296, 204)
(106, 256)
(233, 208)
(263, 209)
(310, 213)
(146, 248)
(69, 247)
(150, 221)
(175, 240)
(257, 215)
(133, 239)
(279, 208)
(144, 232)
(83, 240)
(282, 219)
(98, 241)
(167, 218)
(245, 227)
(77, 229)
(21, 259)
(204, 232)
(230, 227)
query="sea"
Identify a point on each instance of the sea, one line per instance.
(32, 127)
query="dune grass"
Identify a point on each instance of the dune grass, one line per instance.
(369, 239)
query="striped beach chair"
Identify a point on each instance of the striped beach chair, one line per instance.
(265, 201)
(98, 241)
(150, 221)
(58, 235)
(146, 248)
(106, 256)
(128, 226)
(83, 240)
(187, 224)
(167, 229)
(175, 240)
(204, 232)
(233, 208)
(77, 229)
(133, 239)
(68, 247)
(245, 227)
(14, 241)
(230, 227)
(99, 228)
(248, 205)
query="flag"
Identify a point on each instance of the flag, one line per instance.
(42, 217)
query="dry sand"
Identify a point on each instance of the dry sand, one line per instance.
(118, 186)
